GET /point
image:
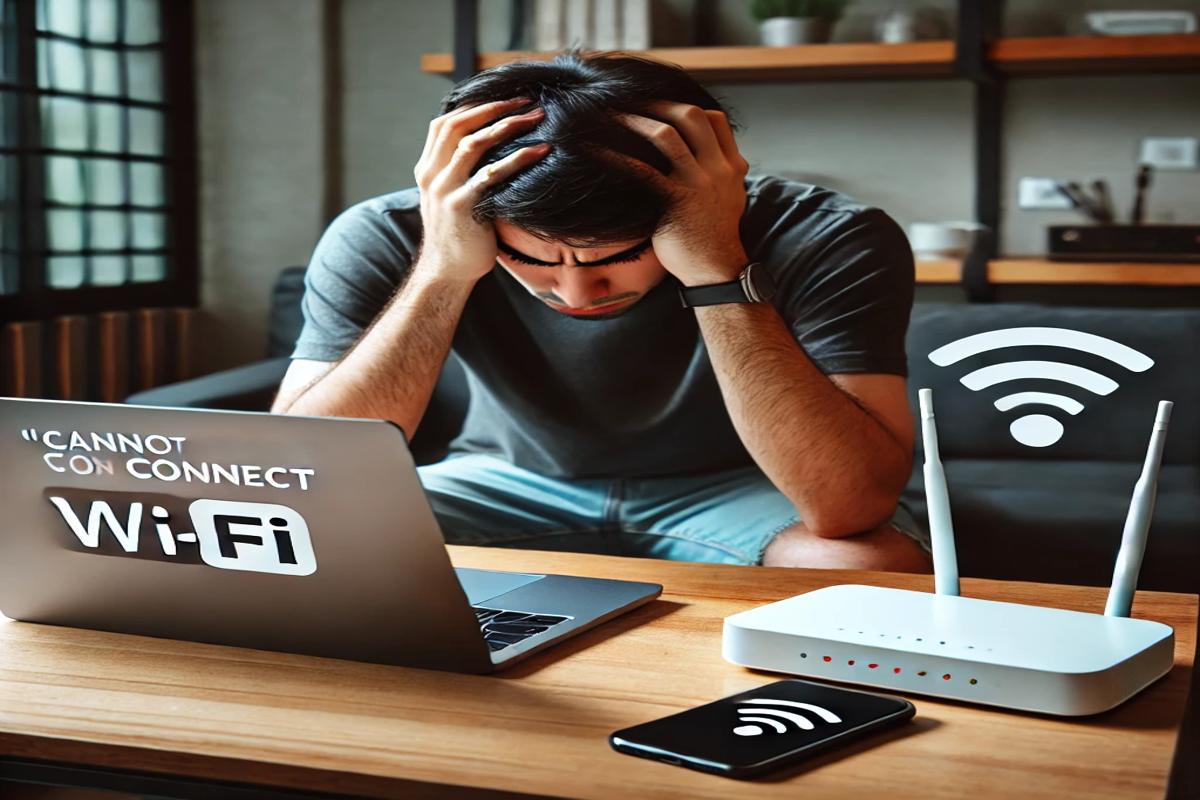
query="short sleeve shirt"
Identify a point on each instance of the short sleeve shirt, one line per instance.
(634, 395)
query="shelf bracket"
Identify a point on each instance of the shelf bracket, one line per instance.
(466, 29)
(978, 26)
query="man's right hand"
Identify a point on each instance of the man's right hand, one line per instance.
(454, 245)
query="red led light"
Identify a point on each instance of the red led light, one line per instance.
(851, 662)
(828, 658)
(922, 673)
(872, 666)
(896, 670)
(946, 677)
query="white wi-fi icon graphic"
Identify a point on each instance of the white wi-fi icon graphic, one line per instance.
(754, 718)
(1040, 430)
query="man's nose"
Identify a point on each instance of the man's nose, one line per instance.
(578, 288)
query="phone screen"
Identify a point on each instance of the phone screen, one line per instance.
(762, 729)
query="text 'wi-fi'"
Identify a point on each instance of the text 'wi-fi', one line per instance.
(1040, 430)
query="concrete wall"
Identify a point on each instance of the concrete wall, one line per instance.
(905, 146)
(387, 102)
(259, 71)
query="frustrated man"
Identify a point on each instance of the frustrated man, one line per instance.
(666, 358)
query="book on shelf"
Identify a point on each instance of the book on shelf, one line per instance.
(591, 25)
(635, 24)
(549, 25)
(606, 24)
(579, 23)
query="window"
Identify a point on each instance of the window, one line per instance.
(96, 156)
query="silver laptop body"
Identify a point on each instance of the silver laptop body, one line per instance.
(298, 534)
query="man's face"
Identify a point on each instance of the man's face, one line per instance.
(593, 282)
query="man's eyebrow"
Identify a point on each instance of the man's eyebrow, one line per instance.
(621, 256)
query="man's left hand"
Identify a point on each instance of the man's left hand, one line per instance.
(698, 241)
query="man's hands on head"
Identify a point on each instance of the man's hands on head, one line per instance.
(454, 245)
(391, 370)
(699, 240)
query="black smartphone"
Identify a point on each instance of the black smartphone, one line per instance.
(764, 729)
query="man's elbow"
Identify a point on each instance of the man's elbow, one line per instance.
(861, 514)
(284, 402)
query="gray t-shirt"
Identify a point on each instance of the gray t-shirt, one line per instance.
(635, 395)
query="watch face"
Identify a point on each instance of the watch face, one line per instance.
(760, 285)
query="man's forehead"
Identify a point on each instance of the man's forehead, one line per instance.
(520, 239)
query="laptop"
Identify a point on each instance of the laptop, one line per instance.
(297, 534)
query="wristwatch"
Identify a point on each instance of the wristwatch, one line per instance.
(753, 285)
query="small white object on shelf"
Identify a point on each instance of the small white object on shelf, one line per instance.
(1140, 23)
(788, 31)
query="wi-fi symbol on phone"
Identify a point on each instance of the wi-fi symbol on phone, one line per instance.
(1040, 430)
(755, 718)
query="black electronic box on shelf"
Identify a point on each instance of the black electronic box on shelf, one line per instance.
(1141, 243)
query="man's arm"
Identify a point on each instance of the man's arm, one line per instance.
(839, 447)
(841, 452)
(391, 371)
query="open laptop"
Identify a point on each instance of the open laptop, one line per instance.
(298, 534)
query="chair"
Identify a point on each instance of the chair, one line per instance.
(252, 387)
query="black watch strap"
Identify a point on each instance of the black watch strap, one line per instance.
(713, 294)
(753, 285)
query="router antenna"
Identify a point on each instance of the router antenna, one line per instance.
(937, 499)
(1137, 523)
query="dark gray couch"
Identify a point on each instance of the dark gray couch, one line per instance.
(1053, 514)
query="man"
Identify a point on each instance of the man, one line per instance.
(564, 210)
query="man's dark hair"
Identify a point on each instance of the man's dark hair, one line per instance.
(574, 194)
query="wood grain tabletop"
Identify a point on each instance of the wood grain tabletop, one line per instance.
(541, 727)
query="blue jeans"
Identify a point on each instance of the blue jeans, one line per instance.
(726, 517)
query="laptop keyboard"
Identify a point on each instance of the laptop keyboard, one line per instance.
(502, 628)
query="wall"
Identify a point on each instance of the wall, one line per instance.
(260, 68)
(387, 102)
(905, 146)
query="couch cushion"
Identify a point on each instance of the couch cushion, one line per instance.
(1061, 521)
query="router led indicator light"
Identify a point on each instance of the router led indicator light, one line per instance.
(851, 662)
(896, 670)
(828, 658)
(922, 674)
(946, 677)
(872, 666)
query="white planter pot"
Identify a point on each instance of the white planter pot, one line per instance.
(785, 31)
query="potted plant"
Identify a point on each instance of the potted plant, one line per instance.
(788, 22)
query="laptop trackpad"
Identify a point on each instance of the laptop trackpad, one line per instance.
(481, 585)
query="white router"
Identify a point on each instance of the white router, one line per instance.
(1030, 658)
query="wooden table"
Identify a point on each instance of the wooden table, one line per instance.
(227, 714)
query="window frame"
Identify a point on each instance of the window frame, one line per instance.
(34, 299)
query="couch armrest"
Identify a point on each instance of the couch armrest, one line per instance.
(248, 388)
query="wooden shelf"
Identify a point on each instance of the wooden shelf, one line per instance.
(934, 59)
(1045, 55)
(1043, 272)
(1082, 54)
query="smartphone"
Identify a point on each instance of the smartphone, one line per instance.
(764, 729)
